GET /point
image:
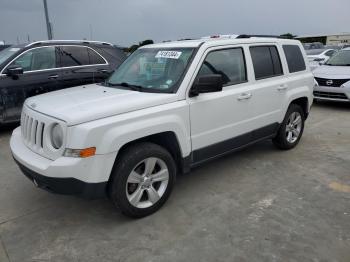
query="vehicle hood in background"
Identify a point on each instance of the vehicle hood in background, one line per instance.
(332, 72)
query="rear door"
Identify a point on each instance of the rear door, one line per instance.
(40, 76)
(81, 65)
(270, 85)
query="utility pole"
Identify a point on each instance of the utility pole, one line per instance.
(48, 24)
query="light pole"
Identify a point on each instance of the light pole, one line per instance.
(48, 24)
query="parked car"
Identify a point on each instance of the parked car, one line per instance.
(317, 57)
(314, 45)
(333, 78)
(169, 107)
(45, 66)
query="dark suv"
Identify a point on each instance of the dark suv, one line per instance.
(40, 67)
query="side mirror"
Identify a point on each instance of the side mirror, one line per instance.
(14, 70)
(207, 84)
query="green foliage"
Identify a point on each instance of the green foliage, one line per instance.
(134, 47)
(288, 36)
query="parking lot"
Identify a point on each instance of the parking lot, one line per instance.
(259, 204)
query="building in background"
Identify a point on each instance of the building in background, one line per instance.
(326, 39)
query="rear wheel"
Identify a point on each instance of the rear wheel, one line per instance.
(291, 128)
(142, 179)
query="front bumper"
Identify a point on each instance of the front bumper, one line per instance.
(340, 94)
(66, 186)
(86, 177)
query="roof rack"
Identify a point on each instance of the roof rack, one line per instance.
(69, 41)
(264, 36)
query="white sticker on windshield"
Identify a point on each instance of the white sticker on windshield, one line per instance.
(13, 49)
(168, 54)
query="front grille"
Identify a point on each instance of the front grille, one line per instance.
(36, 133)
(330, 95)
(32, 131)
(332, 82)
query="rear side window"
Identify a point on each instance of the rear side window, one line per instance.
(229, 63)
(74, 56)
(294, 58)
(94, 58)
(266, 61)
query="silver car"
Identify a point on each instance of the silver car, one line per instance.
(333, 78)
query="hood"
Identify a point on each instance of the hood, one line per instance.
(332, 72)
(87, 103)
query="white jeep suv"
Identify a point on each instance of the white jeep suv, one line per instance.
(167, 108)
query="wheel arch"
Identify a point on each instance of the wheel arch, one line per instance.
(167, 140)
(303, 102)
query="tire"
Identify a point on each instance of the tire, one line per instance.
(142, 179)
(288, 135)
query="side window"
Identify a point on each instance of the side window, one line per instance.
(266, 61)
(74, 56)
(294, 58)
(37, 59)
(229, 63)
(94, 58)
(330, 53)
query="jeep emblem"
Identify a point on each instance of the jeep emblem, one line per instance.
(329, 82)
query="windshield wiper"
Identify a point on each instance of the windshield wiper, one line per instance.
(124, 84)
(337, 64)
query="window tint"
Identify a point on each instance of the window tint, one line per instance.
(229, 63)
(294, 58)
(74, 56)
(94, 58)
(330, 53)
(266, 61)
(37, 59)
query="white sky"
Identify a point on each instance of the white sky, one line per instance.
(130, 21)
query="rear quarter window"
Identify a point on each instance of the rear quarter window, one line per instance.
(295, 59)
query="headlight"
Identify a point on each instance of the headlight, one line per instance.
(57, 136)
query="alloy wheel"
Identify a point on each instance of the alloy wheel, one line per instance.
(293, 127)
(147, 182)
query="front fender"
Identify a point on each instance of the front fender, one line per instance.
(110, 134)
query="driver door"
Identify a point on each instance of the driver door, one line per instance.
(40, 76)
(222, 121)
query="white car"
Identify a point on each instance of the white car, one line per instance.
(167, 108)
(333, 78)
(317, 57)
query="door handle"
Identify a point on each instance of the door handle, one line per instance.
(53, 77)
(244, 96)
(282, 87)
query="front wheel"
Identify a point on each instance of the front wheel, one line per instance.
(142, 179)
(291, 129)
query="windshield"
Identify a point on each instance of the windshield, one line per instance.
(152, 69)
(6, 53)
(342, 58)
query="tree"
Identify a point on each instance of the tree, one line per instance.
(133, 48)
(146, 42)
(288, 36)
(142, 43)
